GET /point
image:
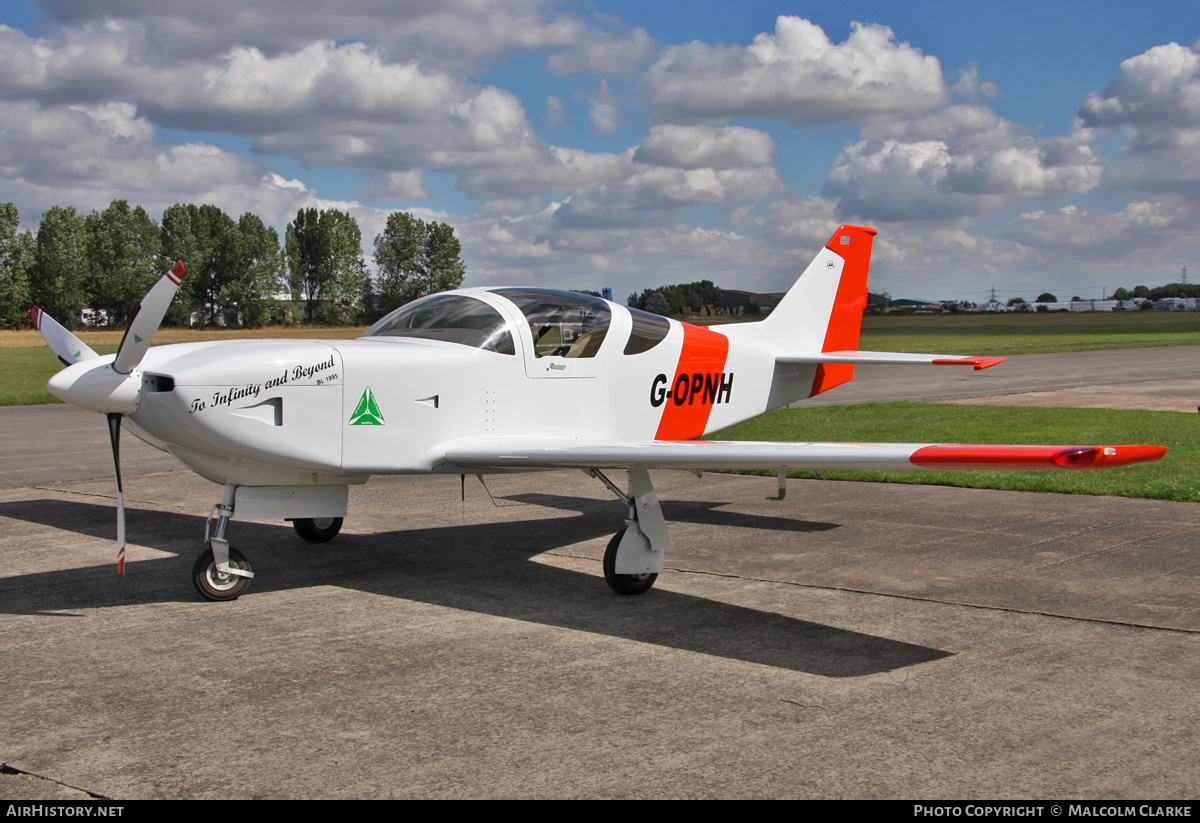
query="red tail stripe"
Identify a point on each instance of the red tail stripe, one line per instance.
(845, 319)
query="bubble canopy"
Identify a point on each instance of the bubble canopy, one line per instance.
(452, 318)
(562, 323)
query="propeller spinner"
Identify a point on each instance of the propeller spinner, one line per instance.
(110, 385)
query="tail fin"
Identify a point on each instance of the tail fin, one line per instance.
(823, 310)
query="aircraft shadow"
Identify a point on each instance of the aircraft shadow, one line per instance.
(703, 512)
(474, 567)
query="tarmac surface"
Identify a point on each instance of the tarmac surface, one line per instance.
(853, 640)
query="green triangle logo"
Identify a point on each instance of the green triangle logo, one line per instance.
(136, 339)
(367, 412)
(75, 356)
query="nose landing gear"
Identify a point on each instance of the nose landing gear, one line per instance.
(214, 584)
(221, 572)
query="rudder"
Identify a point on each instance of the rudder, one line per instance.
(823, 310)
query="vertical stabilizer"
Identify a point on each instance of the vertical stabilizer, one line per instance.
(823, 310)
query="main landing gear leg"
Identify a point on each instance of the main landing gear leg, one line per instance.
(221, 572)
(634, 556)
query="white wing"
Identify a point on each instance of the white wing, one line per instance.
(512, 453)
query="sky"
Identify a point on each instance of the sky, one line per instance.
(1017, 146)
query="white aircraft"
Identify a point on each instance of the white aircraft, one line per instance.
(489, 380)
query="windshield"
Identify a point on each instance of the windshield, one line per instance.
(563, 324)
(452, 318)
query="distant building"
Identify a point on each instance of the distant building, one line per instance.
(737, 299)
(915, 305)
(1094, 305)
(1178, 303)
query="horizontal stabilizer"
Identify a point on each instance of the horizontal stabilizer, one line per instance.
(888, 358)
(708, 454)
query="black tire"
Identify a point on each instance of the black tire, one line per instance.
(317, 529)
(624, 583)
(214, 585)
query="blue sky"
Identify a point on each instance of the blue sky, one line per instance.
(1025, 146)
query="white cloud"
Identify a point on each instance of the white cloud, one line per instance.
(955, 164)
(448, 32)
(540, 249)
(970, 86)
(248, 92)
(694, 147)
(797, 74)
(603, 52)
(1155, 98)
(87, 156)
(396, 185)
(555, 117)
(1139, 225)
(1159, 89)
(602, 107)
(88, 64)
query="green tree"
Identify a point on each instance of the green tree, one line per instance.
(1121, 293)
(57, 277)
(325, 264)
(657, 303)
(680, 295)
(205, 239)
(414, 259)
(16, 257)
(124, 253)
(1047, 297)
(259, 267)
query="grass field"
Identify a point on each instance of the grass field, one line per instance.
(1175, 477)
(1029, 332)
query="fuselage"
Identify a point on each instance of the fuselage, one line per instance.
(519, 363)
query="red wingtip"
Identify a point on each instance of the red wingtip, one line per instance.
(961, 456)
(977, 362)
(177, 272)
(35, 314)
(121, 562)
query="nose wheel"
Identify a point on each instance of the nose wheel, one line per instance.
(214, 584)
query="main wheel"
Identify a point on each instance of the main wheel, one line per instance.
(317, 529)
(216, 585)
(624, 583)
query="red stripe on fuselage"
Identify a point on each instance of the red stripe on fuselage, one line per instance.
(685, 413)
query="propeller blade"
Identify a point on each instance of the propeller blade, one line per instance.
(66, 346)
(145, 322)
(114, 434)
